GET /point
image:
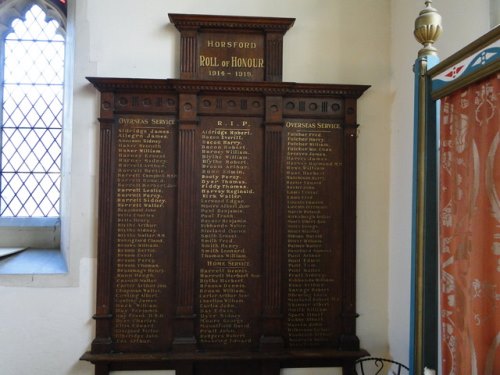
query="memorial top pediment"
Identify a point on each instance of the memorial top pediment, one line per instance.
(231, 48)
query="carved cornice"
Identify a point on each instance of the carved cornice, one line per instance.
(195, 21)
(128, 84)
(199, 86)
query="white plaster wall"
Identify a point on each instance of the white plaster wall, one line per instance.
(463, 21)
(46, 321)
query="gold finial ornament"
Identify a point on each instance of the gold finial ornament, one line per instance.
(428, 29)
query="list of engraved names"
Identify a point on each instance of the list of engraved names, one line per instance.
(310, 165)
(142, 182)
(228, 196)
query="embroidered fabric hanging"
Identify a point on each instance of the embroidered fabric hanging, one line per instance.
(470, 229)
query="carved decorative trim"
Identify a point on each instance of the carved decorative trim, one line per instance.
(238, 105)
(195, 86)
(190, 21)
(138, 102)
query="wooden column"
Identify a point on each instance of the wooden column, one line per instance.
(272, 314)
(187, 227)
(274, 57)
(189, 51)
(348, 339)
(106, 232)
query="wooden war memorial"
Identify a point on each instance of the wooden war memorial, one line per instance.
(227, 201)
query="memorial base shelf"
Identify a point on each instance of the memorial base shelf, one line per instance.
(210, 362)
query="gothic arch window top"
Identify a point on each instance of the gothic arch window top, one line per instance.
(32, 76)
(11, 10)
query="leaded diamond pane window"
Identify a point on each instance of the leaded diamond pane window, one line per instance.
(31, 129)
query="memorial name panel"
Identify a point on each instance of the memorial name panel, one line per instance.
(230, 211)
(231, 56)
(145, 212)
(313, 177)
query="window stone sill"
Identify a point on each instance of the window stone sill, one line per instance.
(34, 261)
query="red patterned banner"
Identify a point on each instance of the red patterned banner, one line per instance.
(470, 229)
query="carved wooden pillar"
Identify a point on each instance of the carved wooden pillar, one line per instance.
(274, 57)
(187, 229)
(349, 340)
(189, 52)
(103, 316)
(273, 233)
